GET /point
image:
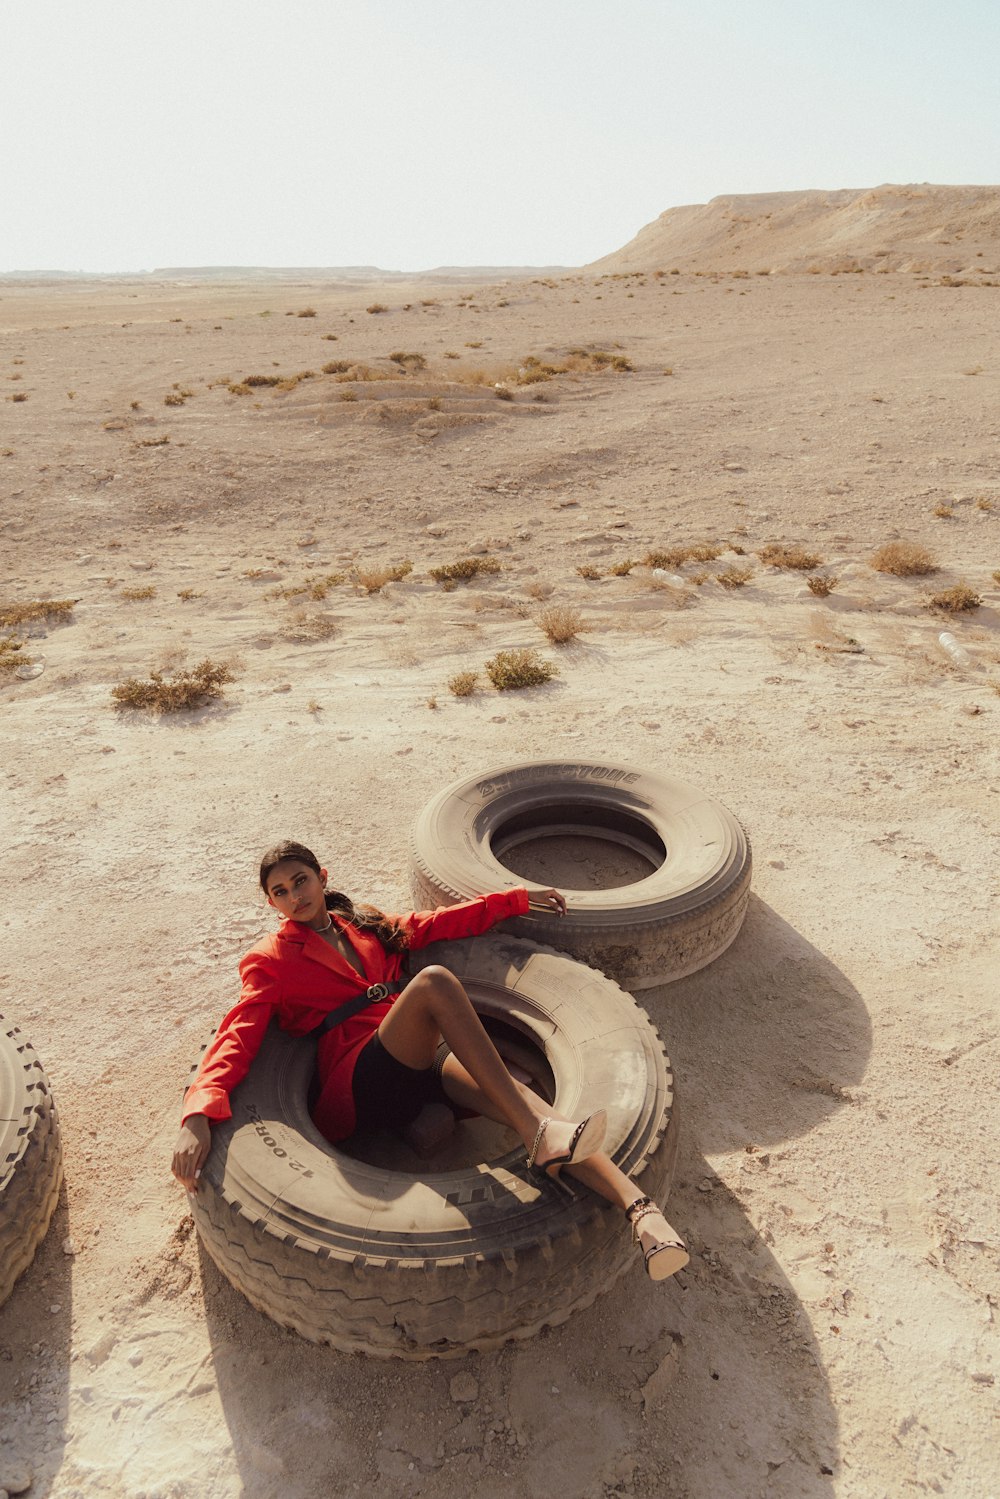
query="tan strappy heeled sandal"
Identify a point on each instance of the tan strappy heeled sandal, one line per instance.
(587, 1137)
(667, 1255)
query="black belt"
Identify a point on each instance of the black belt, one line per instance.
(371, 996)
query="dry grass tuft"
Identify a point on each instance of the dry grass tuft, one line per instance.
(960, 599)
(187, 594)
(182, 689)
(538, 589)
(409, 362)
(944, 512)
(588, 571)
(303, 626)
(374, 579)
(780, 554)
(735, 577)
(306, 312)
(377, 307)
(510, 670)
(623, 568)
(19, 614)
(560, 623)
(904, 559)
(337, 367)
(154, 442)
(463, 683)
(465, 569)
(694, 551)
(822, 587)
(137, 595)
(10, 655)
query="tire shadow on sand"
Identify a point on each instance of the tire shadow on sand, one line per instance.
(707, 1387)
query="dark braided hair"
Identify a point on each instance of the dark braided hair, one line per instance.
(365, 918)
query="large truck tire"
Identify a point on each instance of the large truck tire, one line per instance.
(431, 1263)
(672, 920)
(30, 1155)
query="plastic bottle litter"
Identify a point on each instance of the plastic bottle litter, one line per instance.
(950, 645)
(674, 578)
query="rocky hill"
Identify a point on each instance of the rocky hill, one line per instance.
(918, 227)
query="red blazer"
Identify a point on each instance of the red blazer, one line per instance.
(298, 978)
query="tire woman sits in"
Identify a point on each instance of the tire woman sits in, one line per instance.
(380, 1054)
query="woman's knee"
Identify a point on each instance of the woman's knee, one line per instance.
(438, 982)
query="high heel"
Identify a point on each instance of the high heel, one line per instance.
(587, 1138)
(667, 1255)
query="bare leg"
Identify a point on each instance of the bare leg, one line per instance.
(598, 1171)
(433, 1005)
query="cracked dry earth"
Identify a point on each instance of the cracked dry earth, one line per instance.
(834, 1334)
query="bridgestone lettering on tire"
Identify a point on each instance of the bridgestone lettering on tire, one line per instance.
(30, 1155)
(427, 1266)
(678, 919)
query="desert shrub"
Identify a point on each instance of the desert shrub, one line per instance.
(348, 395)
(692, 551)
(10, 654)
(306, 312)
(373, 579)
(960, 599)
(621, 569)
(19, 614)
(735, 577)
(336, 366)
(781, 554)
(465, 569)
(303, 626)
(377, 307)
(463, 683)
(539, 589)
(19, 395)
(996, 576)
(137, 595)
(265, 380)
(330, 338)
(181, 689)
(509, 670)
(154, 442)
(173, 398)
(238, 388)
(560, 623)
(904, 559)
(502, 393)
(822, 587)
(187, 594)
(409, 361)
(588, 571)
(944, 512)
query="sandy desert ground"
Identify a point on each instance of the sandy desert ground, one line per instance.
(835, 1333)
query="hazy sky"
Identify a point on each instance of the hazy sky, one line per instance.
(413, 133)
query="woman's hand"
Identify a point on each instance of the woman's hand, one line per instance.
(191, 1151)
(550, 901)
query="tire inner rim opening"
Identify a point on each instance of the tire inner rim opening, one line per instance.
(474, 1141)
(578, 846)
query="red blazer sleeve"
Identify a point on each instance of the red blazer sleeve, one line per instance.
(466, 920)
(237, 1041)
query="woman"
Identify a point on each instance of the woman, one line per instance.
(333, 969)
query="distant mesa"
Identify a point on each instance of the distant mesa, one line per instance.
(916, 227)
(190, 275)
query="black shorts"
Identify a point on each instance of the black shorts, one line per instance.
(387, 1094)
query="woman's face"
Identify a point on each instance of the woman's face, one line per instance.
(298, 892)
